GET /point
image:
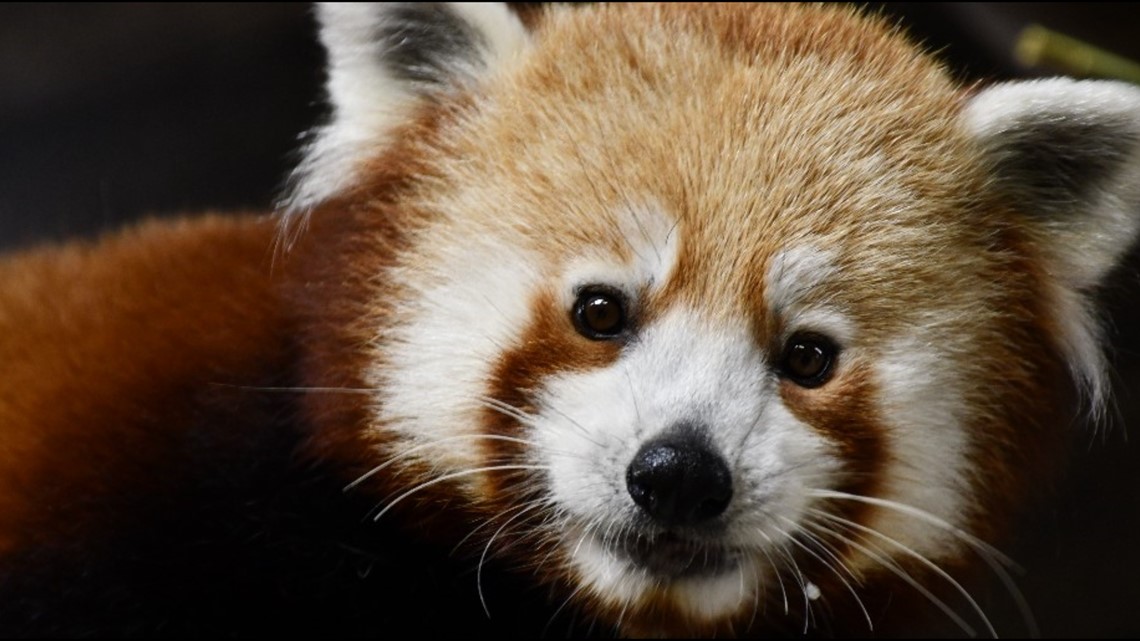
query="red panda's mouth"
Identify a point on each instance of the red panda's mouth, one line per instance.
(670, 556)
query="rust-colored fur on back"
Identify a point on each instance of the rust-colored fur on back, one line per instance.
(108, 348)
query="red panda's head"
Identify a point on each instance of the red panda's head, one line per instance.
(705, 310)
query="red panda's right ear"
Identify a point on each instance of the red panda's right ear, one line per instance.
(384, 58)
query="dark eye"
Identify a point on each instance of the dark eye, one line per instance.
(599, 315)
(808, 359)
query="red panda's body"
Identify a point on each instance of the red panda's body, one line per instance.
(698, 320)
(178, 494)
(144, 323)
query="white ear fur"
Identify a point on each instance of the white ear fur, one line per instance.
(383, 58)
(1068, 153)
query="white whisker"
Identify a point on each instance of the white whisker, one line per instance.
(451, 476)
(561, 607)
(921, 559)
(486, 548)
(993, 557)
(403, 454)
(905, 576)
(922, 515)
(775, 568)
(506, 409)
(539, 502)
(807, 550)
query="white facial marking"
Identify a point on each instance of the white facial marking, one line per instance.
(794, 275)
(921, 401)
(457, 324)
(469, 309)
(651, 238)
(681, 369)
(710, 597)
(794, 272)
(923, 407)
(603, 571)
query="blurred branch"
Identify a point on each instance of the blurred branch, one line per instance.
(1037, 46)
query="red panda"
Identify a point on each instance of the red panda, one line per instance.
(648, 320)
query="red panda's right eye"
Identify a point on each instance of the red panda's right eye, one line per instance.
(599, 315)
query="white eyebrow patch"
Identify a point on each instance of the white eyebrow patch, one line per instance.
(651, 238)
(794, 272)
(793, 275)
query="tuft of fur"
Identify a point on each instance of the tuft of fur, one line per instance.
(414, 378)
(382, 59)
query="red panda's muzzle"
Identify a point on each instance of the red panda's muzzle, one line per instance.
(678, 479)
(669, 556)
(683, 487)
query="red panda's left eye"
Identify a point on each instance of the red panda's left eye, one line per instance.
(808, 359)
(599, 315)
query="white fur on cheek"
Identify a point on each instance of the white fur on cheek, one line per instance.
(923, 408)
(450, 335)
(470, 298)
(921, 401)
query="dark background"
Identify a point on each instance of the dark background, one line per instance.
(113, 112)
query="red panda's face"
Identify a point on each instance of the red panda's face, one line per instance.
(718, 310)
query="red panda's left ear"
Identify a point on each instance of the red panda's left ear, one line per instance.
(385, 58)
(1067, 154)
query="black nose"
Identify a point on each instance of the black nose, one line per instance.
(678, 479)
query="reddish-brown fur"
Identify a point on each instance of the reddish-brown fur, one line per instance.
(108, 348)
(116, 353)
